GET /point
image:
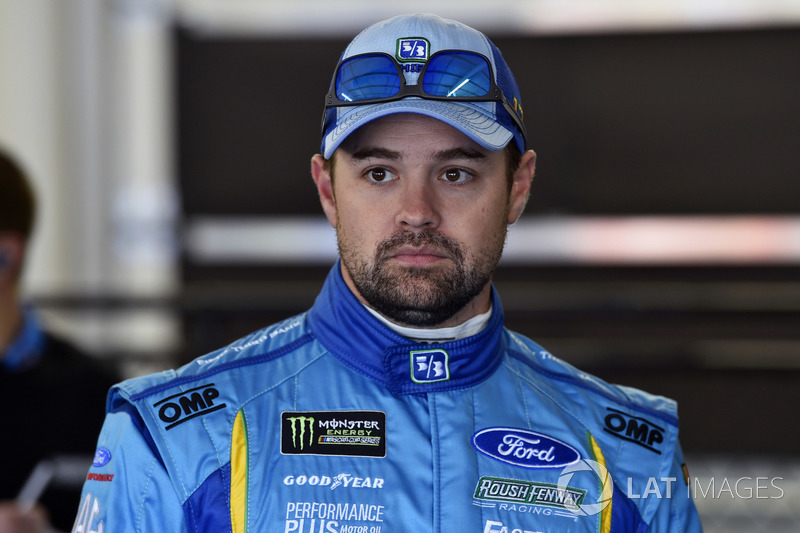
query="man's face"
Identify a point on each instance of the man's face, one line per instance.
(420, 212)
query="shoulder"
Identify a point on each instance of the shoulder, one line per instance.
(221, 367)
(537, 363)
(625, 421)
(634, 434)
(194, 407)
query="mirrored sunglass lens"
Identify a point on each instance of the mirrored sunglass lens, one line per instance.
(365, 78)
(457, 74)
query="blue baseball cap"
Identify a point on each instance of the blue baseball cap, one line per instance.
(411, 40)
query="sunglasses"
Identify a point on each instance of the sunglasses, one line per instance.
(451, 75)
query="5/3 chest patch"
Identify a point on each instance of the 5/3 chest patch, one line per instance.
(343, 433)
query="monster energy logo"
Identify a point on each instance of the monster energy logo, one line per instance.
(301, 421)
(344, 433)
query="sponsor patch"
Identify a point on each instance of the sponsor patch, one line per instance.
(182, 407)
(523, 448)
(495, 489)
(339, 517)
(413, 49)
(89, 514)
(99, 477)
(334, 482)
(430, 366)
(344, 433)
(101, 457)
(634, 429)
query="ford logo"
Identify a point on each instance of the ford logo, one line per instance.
(101, 457)
(528, 449)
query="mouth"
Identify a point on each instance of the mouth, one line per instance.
(418, 256)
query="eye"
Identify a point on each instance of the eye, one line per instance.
(456, 175)
(380, 174)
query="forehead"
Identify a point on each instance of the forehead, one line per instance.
(418, 134)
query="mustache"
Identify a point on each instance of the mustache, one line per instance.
(429, 238)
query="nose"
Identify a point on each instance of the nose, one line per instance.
(417, 206)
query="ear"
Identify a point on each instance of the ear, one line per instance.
(521, 185)
(12, 251)
(321, 172)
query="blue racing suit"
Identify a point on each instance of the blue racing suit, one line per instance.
(330, 422)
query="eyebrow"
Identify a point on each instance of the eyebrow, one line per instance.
(376, 152)
(459, 153)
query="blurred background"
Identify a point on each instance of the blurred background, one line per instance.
(169, 142)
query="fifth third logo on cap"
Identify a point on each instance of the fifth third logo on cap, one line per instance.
(412, 49)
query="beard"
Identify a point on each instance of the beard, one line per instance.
(421, 296)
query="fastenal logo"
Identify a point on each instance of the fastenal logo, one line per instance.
(344, 433)
(429, 366)
(516, 491)
(607, 491)
(634, 429)
(182, 407)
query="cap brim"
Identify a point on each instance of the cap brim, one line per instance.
(466, 117)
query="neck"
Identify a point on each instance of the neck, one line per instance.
(444, 334)
(10, 317)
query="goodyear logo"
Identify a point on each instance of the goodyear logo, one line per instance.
(179, 408)
(496, 489)
(344, 433)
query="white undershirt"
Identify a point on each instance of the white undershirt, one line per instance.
(421, 335)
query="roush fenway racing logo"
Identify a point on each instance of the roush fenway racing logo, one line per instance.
(523, 448)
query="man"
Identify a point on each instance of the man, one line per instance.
(398, 402)
(50, 392)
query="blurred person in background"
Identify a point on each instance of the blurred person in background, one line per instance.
(399, 403)
(50, 392)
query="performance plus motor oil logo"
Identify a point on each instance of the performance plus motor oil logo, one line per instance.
(344, 433)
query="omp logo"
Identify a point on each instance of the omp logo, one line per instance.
(429, 366)
(634, 429)
(179, 408)
(299, 424)
(413, 49)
